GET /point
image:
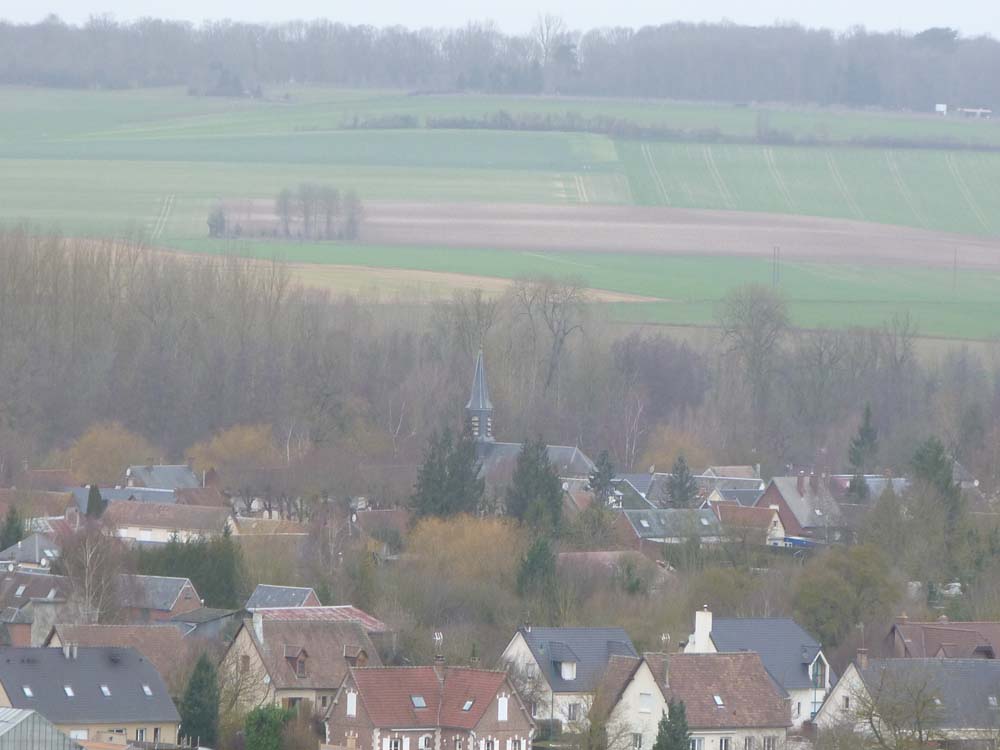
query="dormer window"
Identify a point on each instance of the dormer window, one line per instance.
(418, 701)
(567, 670)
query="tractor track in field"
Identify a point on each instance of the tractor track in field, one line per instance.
(904, 189)
(845, 191)
(963, 188)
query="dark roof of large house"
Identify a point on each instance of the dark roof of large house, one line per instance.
(590, 648)
(672, 523)
(963, 686)
(327, 646)
(152, 592)
(163, 476)
(203, 615)
(639, 482)
(785, 648)
(123, 494)
(40, 549)
(163, 645)
(726, 691)
(278, 596)
(815, 507)
(46, 672)
(387, 695)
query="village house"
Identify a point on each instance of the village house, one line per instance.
(156, 598)
(35, 507)
(807, 508)
(649, 531)
(557, 670)
(160, 522)
(100, 694)
(745, 497)
(279, 597)
(428, 708)
(630, 700)
(497, 459)
(942, 639)
(209, 623)
(792, 657)
(953, 702)
(162, 477)
(730, 699)
(732, 472)
(652, 489)
(758, 525)
(34, 552)
(278, 659)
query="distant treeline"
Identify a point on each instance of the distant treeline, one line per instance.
(721, 62)
(620, 127)
(307, 212)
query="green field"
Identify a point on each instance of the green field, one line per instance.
(91, 163)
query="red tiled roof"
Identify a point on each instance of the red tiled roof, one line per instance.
(952, 639)
(168, 516)
(731, 514)
(387, 694)
(748, 694)
(162, 645)
(36, 503)
(339, 613)
(617, 676)
(203, 496)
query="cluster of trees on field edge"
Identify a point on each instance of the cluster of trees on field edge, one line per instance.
(308, 212)
(716, 62)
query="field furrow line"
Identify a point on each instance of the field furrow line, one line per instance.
(655, 174)
(778, 179)
(161, 219)
(581, 190)
(720, 183)
(845, 191)
(904, 189)
(963, 188)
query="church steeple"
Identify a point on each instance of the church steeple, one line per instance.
(479, 410)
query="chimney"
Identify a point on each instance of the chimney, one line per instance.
(66, 649)
(439, 665)
(800, 483)
(943, 619)
(701, 642)
(902, 619)
(814, 481)
(862, 658)
(527, 626)
(258, 626)
(72, 651)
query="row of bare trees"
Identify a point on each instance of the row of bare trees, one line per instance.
(715, 62)
(313, 211)
(178, 350)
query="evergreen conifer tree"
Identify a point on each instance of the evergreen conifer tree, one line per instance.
(861, 454)
(600, 478)
(95, 502)
(448, 482)
(12, 530)
(681, 486)
(534, 495)
(673, 733)
(199, 708)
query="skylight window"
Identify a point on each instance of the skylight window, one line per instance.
(20, 590)
(147, 691)
(68, 689)
(992, 701)
(644, 523)
(704, 521)
(105, 691)
(467, 706)
(418, 701)
(28, 692)
(52, 594)
(718, 701)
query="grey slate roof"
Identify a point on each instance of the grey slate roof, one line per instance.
(499, 458)
(589, 647)
(34, 549)
(745, 497)
(47, 671)
(151, 592)
(964, 686)
(123, 494)
(639, 482)
(163, 476)
(816, 509)
(670, 523)
(785, 648)
(266, 596)
(480, 398)
(203, 615)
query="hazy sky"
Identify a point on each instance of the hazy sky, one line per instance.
(971, 17)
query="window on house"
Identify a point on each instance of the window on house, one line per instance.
(424, 743)
(645, 703)
(352, 704)
(490, 745)
(567, 670)
(147, 691)
(245, 663)
(105, 691)
(156, 734)
(515, 745)
(718, 700)
(636, 741)
(797, 711)
(819, 673)
(396, 744)
(644, 523)
(847, 702)
(573, 711)
(140, 735)
(467, 706)
(51, 595)
(324, 701)
(771, 743)
(418, 701)
(28, 692)
(68, 689)
(20, 590)
(725, 743)
(748, 743)
(458, 743)
(696, 743)
(533, 709)
(300, 667)
(992, 701)
(502, 708)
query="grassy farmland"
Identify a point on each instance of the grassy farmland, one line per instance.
(92, 163)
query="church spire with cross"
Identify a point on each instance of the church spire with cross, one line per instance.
(479, 410)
